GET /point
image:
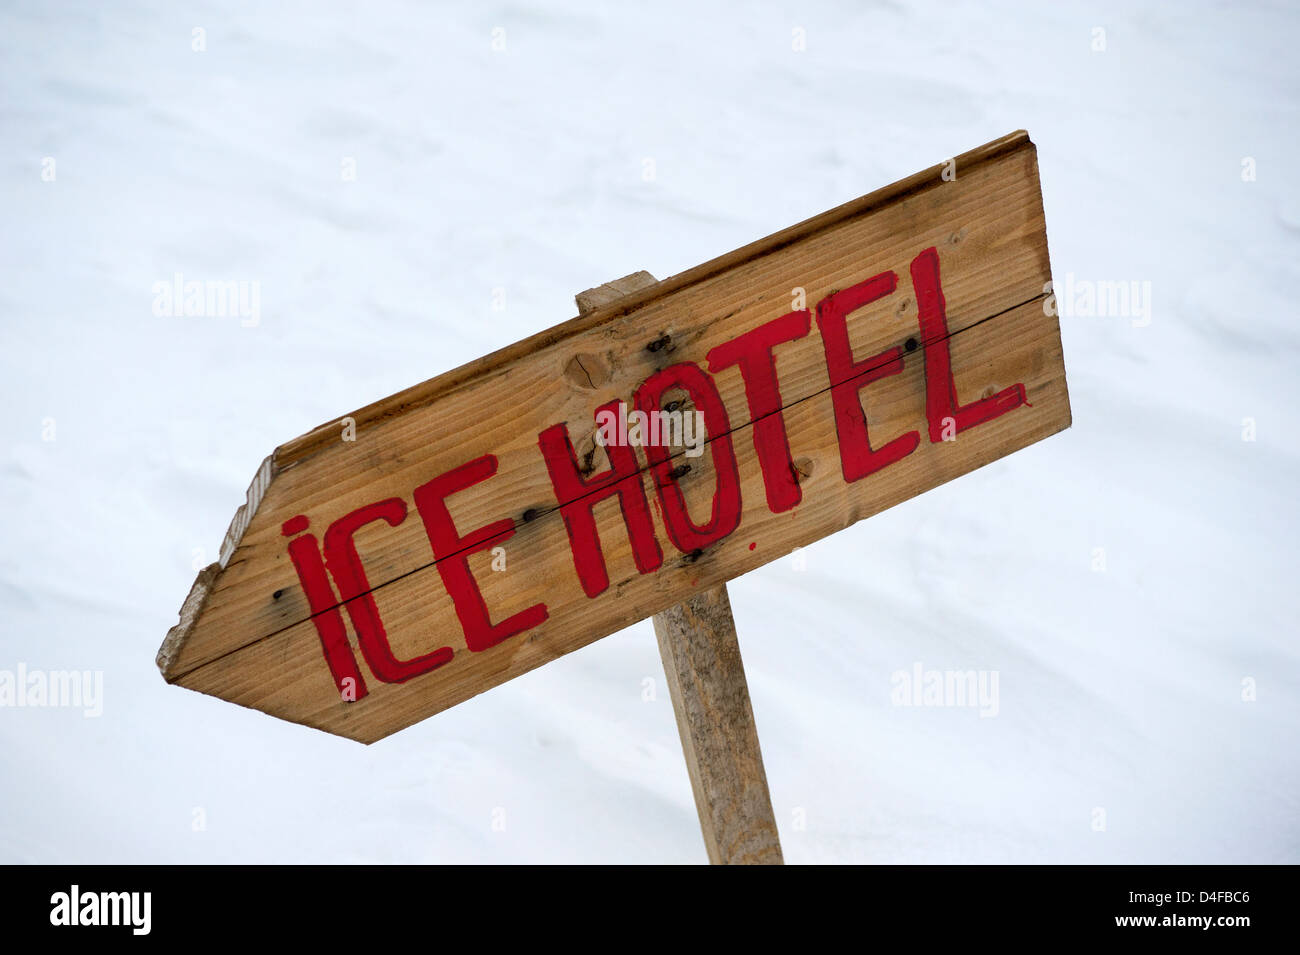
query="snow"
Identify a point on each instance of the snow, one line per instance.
(523, 170)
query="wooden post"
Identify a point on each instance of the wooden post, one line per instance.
(706, 680)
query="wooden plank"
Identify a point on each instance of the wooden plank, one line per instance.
(988, 224)
(603, 296)
(246, 633)
(706, 680)
(285, 676)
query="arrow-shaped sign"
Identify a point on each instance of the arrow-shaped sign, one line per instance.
(421, 550)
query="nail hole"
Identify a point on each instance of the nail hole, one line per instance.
(911, 344)
(659, 343)
(680, 471)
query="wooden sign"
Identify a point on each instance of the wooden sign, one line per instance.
(421, 550)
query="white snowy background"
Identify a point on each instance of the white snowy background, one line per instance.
(522, 169)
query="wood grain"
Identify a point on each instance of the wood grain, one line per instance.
(246, 634)
(987, 224)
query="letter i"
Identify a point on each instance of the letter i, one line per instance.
(305, 553)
